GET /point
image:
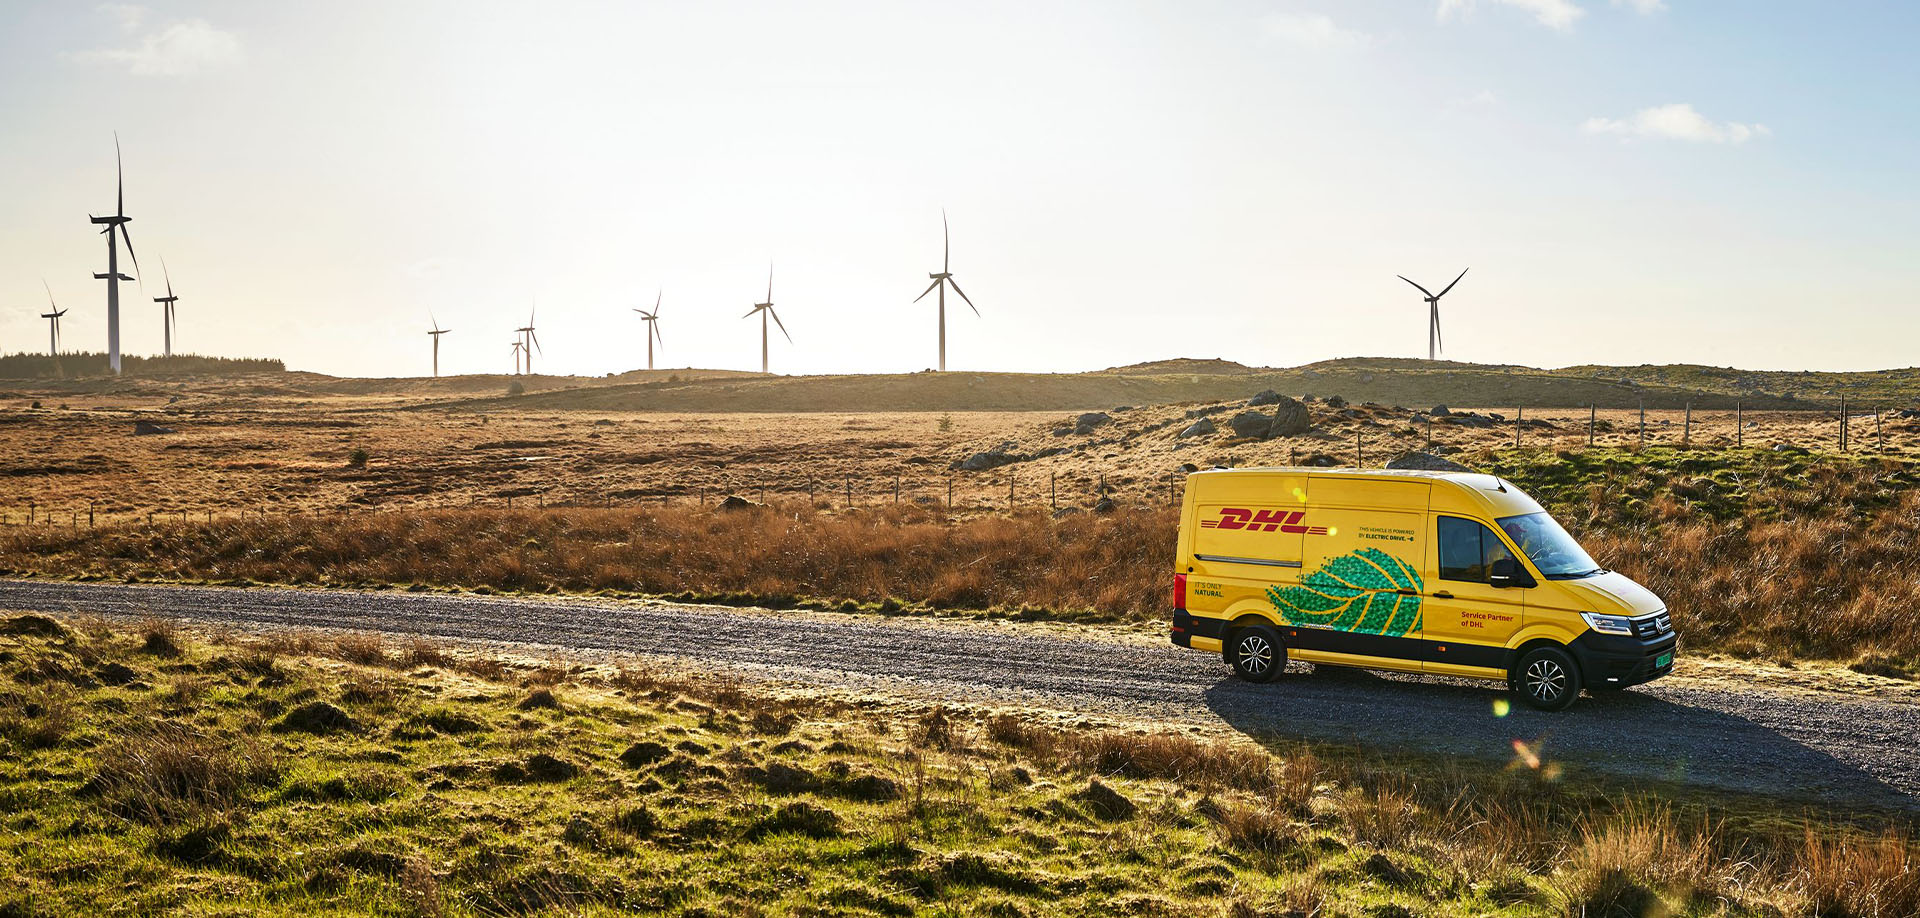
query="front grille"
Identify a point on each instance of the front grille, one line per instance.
(1652, 626)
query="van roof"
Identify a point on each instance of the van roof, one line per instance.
(1499, 496)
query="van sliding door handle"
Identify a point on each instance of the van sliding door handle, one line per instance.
(1442, 594)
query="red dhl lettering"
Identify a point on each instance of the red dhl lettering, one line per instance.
(1263, 521)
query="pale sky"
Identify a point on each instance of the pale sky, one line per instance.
(1631, 181)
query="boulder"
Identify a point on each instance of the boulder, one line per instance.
(736, 502)
(1290, 418)
(148, 428)
(1200, 428)
(1335, 401)
(1105, 505)
(1251, 424)
(990, 459)
(1426, 462)
(1439, 411)
(1268, 397)
(1091, 421)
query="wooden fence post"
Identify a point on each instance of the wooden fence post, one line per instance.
(1009, 492)
(1053, 488)
(1519, 421)
(1429, 433)
(1739, 426)
(1359, 451)
(1686, 427)
(849, 490)
(1843, 423)
(1878, 433)
(949, 493)
(1593, 415)
(896, 490)
(1643, 423)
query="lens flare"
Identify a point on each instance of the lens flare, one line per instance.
(1502, 707)
(1525, 754)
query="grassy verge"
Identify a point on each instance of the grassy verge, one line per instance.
(1777, 555)
(148, 770)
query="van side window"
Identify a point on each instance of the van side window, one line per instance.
(1467, 549)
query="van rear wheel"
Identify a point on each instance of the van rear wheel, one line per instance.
(1546, 678)
(1256, 654)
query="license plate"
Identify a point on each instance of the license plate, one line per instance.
(1662, 660)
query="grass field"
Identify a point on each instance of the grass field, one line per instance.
(150, 769)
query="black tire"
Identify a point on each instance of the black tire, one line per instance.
(1256, 654)
(1546, 678)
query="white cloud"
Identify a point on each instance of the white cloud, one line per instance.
(1312, 30)
(1677, 121)
(1556, 14)
(1643, 7)
(179, 49)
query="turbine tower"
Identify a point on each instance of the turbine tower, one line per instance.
(653, 325)
(766, 309)
(166, 307)
(941, 282)
(435, 334)
(113, 277)
(53, 321)
(1433, 312)
(531, 339)
(517, 348)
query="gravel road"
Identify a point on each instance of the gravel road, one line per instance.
(1826, 746)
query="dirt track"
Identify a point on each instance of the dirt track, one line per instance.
(1818, 745)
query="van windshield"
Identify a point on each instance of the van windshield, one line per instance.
(1549, 547)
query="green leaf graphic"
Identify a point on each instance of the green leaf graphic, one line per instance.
(1356, 592)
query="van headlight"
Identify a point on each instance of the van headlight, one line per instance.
(1608, 624)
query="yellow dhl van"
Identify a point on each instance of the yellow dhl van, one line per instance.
(1450, 573)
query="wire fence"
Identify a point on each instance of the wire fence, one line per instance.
(1034, 486)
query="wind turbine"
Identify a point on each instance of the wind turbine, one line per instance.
(517, 348)
(766, 309)
(1433, 312)
(435, 335)
(113, 277)
(532, 340)
(941, 282)
(166, 306)
(53, 320)
(653, 324)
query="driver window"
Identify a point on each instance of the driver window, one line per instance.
(1467, 549)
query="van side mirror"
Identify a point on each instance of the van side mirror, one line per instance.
(1507, 573)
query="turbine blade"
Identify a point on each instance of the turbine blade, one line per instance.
(946, 243)
(656, 301)
(963, 295)
(655, 326)
(1439, 340)
(1415, 286)
(50, 302)
(536, 341)
(1455, 281)
(750, 312)
(119, 181)
(129, 239)
(163, 271)
(923, 293)
(783, 325)
(769, 282)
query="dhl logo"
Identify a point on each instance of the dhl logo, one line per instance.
(1262, 521)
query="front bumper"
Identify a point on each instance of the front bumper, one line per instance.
(1617, 661)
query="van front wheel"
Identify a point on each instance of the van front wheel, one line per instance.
(1256, 654)
(1547, 678)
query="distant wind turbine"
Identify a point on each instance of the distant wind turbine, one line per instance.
(941, 282)
(766, 309)
(53, 320)
(1433, 312)
(517, 348)
(435, 335)
(166, 307)
(113, 277)
(532, 340)
(653, 324)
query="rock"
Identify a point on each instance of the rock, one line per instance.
(1105, 802)
(146, 428)
(1290, 418)
(736, 502)
(1091, 421)
(316, 717)
(643, 753)
(1426, 462)
(1200, 428)
(980, 462)
(1251, 424)
(1105, 505)
(1189, 467)
(1335, 401)
(544, 767)
(1439, 411)
(1267, 397)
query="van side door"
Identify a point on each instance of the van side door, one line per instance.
(1465, 620)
